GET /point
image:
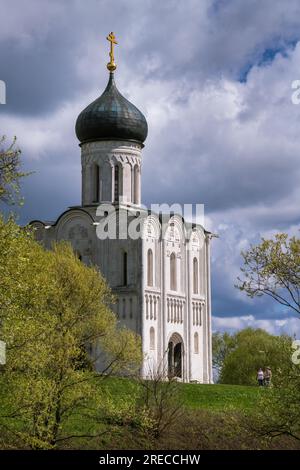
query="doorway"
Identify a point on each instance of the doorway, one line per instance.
(175, 356)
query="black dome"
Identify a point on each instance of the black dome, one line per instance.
(111, 116)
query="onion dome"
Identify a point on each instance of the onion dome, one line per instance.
(110, 117)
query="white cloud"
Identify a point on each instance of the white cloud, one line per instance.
(290, 326)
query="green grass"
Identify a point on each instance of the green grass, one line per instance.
(219, 397)
(196, 396)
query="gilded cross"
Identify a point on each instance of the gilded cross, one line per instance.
(112, 39)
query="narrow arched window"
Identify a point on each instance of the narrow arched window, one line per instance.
(116, 184)
(152, 338)
(96, 183)
(150, 267)
(125, 269)
(195, 276)
(196, 343)
(136, 178)
(173, 272)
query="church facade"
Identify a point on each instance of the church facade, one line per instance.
(160, 272)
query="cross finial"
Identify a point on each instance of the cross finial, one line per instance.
(111, 64)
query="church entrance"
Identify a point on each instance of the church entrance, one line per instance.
(175, 356)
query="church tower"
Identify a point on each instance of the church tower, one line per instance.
(111, 131)
(160, 279)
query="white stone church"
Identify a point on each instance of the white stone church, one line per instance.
(161, 279)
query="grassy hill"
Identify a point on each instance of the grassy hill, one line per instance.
(197, 396)
(211, 418)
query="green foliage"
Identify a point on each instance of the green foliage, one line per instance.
(160, 400)
(10, 173)
(246, 351)
(278, 410)
(222, 345)
(126, 412)
(272, 268)
(52, 306)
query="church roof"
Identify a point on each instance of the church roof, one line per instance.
(110, 117)
(91, 211)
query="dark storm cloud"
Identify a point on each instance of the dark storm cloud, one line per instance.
(40, 54)
(220, 183)
(38, 78)
(56, 193)
(41, 50)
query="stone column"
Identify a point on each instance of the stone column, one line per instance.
(209, 330)
(138, 178)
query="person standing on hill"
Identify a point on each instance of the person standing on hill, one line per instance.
(268, 376)
(260, 377)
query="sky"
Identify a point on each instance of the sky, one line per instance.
(214, 80)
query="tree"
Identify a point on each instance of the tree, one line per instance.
(248, 350)
(222, 345)
(278, 410)
(160, 399)
(272, 268)
(52, 307)
(10, 172)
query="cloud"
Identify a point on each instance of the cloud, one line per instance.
(289, 326)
